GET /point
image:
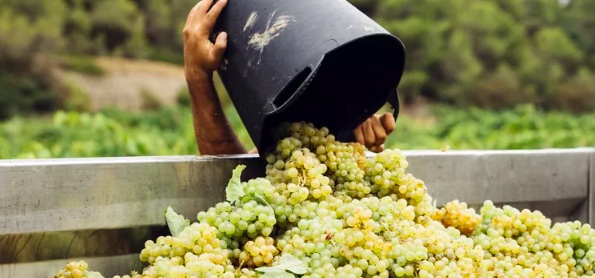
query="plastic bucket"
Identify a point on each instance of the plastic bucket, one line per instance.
(319, 61)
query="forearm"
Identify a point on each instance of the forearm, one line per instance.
(214, 135)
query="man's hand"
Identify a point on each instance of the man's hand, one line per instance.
(201, 56)
(373, 132)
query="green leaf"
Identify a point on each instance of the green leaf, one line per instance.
(287, 267)
(234, 189)
(293, 264)
(277, 274)
(176, 223)
(259, 199)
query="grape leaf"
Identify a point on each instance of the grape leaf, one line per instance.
(234, 190)
(175, 222)
(259, 199)
(293, 264)
(278, 273)
(287, 267)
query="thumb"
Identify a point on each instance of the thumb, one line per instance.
(218, 48)
(388, 122)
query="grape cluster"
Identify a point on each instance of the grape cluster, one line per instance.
(299, 175)
(196, 250)
(77, 269)
(258, 252)
(456, 214)
(249, 219)
(525, 243)
(313, 241)
(342, 214)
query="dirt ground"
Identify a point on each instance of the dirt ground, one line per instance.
(125, 80)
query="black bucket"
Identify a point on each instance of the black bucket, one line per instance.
(323, 62)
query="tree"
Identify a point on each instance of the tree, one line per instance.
(579, 22)
(120, 24)
(28, 29)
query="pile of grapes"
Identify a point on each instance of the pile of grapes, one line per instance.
(326, 210)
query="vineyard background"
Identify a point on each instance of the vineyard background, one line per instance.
(83, 78)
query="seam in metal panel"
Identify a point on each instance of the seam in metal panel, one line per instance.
(590, 189)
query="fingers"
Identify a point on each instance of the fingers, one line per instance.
(388, 122)
(377, 149)
(369, 136)
(200, 52)
(204, 16)
(203, 7)
(373, 132)
(364, 134)
(192, 16)
(359, 135)
(379, 132)
(211, 17)
(219, 47)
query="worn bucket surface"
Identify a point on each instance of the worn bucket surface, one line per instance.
(319, 61)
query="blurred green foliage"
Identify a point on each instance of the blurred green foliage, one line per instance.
(521, 127)
(28, 28)
(494, 53)
(169, 131)
(491, 54)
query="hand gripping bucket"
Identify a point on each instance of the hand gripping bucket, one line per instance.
(321, 61)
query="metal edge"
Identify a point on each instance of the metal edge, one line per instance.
(196, 158)
(121, 160)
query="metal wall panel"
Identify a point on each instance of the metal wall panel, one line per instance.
(106, 193)
(553, 181)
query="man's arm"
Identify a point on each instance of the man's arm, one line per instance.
(214, 135)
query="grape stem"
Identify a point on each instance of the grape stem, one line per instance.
(386, 227)
(303, 181)
(240, 266)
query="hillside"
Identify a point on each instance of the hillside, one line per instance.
(125, 81)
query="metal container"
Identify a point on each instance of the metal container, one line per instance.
(102, 210)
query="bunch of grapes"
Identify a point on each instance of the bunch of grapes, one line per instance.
(197, 249)
(456, 214)
(77, 269)
(313, 241)
(344, 161)
(525, 242)
(301, 177)
(250, 219)
(324, 209)
(258, 252)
